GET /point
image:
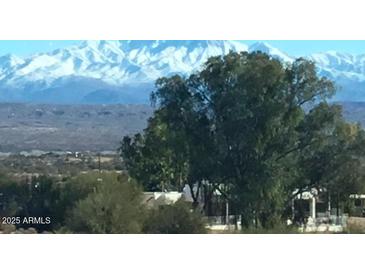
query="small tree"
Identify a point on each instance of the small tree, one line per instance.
(114, 207)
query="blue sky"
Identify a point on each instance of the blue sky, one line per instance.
(305, 47)
(27, 47)
(294, 48)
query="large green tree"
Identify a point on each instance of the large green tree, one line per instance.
(243, 123)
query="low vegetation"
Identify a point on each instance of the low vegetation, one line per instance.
(174, 219)
(91, 203)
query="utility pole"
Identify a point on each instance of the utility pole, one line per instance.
(29, 182)
(99, 162)
(99, 167)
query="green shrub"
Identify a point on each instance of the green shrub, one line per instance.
(114, 207)
(178, 218)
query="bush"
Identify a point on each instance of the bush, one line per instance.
(178, 218)
(114, 207)
(355, 225)
(75, 189)
(13, 196)
(40, 197)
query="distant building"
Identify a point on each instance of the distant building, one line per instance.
(314, 209)
(154, 199)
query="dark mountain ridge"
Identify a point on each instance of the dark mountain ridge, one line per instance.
(87, 127)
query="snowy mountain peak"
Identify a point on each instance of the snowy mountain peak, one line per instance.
(109, 65)
(261, 46)
(125, 71)
(268, 49)
(10, 60)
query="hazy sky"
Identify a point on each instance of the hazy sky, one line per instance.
(294, 48)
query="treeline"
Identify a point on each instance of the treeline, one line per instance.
(257, 130)
(52, 163)
(90, 203)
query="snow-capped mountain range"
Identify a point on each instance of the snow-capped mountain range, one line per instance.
(125, 71)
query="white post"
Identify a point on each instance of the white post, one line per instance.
(312, 208)
(227, 214)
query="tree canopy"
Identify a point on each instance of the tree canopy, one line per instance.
(254, 127)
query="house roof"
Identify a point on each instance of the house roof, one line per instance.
(152, 199)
